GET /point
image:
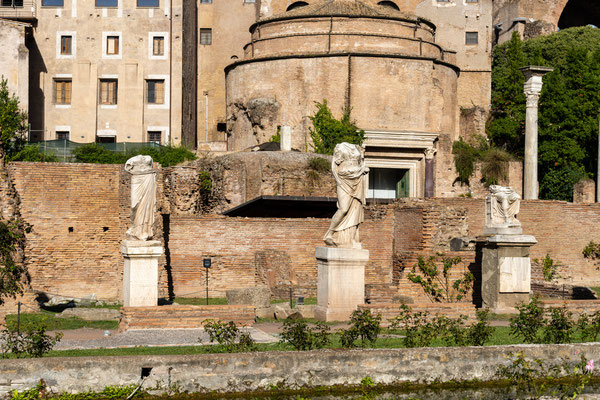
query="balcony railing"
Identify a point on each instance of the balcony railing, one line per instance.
(18, 9)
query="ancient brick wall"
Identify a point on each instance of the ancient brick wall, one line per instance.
(247, 252)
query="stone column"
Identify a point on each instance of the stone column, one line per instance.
(140, 272)
(429, 188)
(533, 88)
(285, 138)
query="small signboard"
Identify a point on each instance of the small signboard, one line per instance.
(207, 262)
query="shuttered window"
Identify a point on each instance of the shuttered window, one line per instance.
(62, 91)
(471, 38)
(158, 46)
(205, 36)
(65, 45)
(155, 91)
(112, 45)
(108, 91)
(154, 136)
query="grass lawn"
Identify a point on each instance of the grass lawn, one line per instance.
(200, 301)
(54, 324)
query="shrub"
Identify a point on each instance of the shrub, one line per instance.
(481, 331)
(33, 153)
(328, 131)
(364, 326)
(465, 156)
(228, 336)
(592, 252)
(419, 331)
(33, 341)
(559, 327)
(96, 154)
(11, 272)
(166, 156)
(494, 166)
(528, 322)
(319, 164)
(439, 287)
(549, 268)
(13, 122)
(300, 336)
(589, 326)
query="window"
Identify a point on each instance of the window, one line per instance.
(471, 1)
(205, 36)
(106, 3)
(154, 136)
(472, 38)
(206, 1)
(52, 3)
(158, 46)
(389, 4)
(65, 45)
(249, 1)
(62, 135)
(155, 93)
(108, 91)
(12, 3)
(62, 91)
(147, 3)
(112, 45)
(295, 5)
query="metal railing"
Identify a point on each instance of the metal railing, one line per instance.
(18, 9)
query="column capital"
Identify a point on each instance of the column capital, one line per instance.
(430, 153)
(532, 98)
(533, 77)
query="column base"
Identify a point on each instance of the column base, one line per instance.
(341, 282)
(140, 272)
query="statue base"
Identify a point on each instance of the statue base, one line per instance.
(140, 272)
(505, 271)
(341, 282)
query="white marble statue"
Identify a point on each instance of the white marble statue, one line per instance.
(143, 196)
(502, 205)
(349, 170)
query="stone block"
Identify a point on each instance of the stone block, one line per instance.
(91, 314)
(282, 311)
(584, 191)
(140, 273)
(259, 296)
(265, 312)
(307, 311)
(341, 282)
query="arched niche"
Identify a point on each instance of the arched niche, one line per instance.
(580, 13)
(296, 4)
(389, 4)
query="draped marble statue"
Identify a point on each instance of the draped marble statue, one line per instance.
(502, 207)
(143, 196)
(349, 170)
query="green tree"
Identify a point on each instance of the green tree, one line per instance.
(12, 123)
(327, 131)
(569, 105)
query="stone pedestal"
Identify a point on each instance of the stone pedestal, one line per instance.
(140, 272)
(341, 282)
(505, 271)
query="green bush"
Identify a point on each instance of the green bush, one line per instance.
(319, 164)
(480, 332)
(549, 268)
(494, 161)
(13, 122)
(300, 336)
(364, 326)
(592, 252)
(438, 286)
(327, 131)
(528, 322)
(465, 156)
(557, 184)
(165, 156)
(31, 341)
(97, 154)
(228, 336)
(11, 272)
(32, 153)
(589, 326)
(559, 327)
(494, 166)
(419, 330)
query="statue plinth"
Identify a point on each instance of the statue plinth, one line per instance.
(140, 272)
(341, 282)
(505, 271)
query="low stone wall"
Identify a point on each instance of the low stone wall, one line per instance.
(254, 371)
(176, 317)
(450, 310)
(563, 291)
(577, 307)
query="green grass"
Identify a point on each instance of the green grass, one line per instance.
(307, 301)
(54, 324)
(200, 301)
(597, 290)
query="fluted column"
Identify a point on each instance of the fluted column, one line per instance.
(533, 88)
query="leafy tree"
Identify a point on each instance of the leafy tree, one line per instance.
(12, 123)
(328, 131)
(569, 105)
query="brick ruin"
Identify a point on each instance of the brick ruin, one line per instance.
(79, 213)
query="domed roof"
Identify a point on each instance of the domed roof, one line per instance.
(342, 8)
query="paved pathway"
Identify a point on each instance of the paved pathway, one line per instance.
(95, 339)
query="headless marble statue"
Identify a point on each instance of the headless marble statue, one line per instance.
(143, 196)
(349, 170)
